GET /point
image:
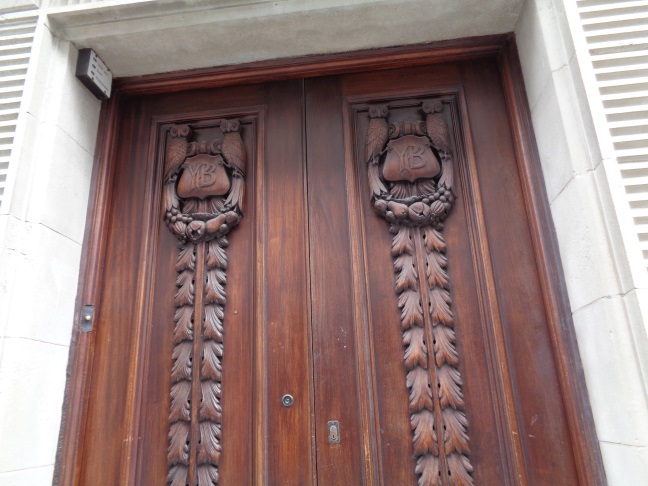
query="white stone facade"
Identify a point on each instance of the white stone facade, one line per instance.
(43, 214)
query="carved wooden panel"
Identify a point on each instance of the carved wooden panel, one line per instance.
(410, 175)
(203, 202)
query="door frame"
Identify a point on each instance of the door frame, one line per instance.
(502, 47)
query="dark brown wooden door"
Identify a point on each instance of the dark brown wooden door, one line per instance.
(325, 281)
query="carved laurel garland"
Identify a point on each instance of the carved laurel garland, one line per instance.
(412, 189)
(203, 196)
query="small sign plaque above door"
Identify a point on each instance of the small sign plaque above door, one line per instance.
(94, 74)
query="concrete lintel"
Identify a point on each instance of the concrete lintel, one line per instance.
(146, 37)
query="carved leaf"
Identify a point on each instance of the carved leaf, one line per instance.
(178, 475)
(186, 259)
(400, 190)
(447, 177)
(377, 134)
(444, 349)
(459, 469)
(214, 291)
(375, 183)
(209, 449)
(437, 129)
(425, 438)
(450, 386)
(211, 363)
(207, 475)
(439, 308)
(407, 278)
(428, 467)
(214, 323)
(425, 186)
(182, 355)
(216, 256)
(170, 197)
(221, 276)
(210, 408)
(185, 293)
(402, 243)
(454, 431)
(180, 408)
(184, 326)
(236, 194)
(418, 382)
(411, 311)
(178, 452)
(416, 351)
(434, 240)
(435, 270)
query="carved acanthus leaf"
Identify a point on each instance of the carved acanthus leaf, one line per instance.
(428, 468)
(425, 438)
(444, 346)
(418, 381)
(416, 350)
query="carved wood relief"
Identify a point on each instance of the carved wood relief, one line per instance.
(203, 197)
(410, 174)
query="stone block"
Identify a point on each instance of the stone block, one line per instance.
(65, 188)
(625, 465)
(612, 371)
(35, 476)
(43, 285)
(581, 229)
(553, 146)
(533, 56)
(32, 380)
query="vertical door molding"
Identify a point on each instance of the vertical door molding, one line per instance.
(561, 326)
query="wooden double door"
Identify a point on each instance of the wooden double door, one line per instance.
(324, 281)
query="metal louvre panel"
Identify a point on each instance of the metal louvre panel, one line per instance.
(617, 38)
(16, 38)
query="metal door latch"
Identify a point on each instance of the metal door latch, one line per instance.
(87, 318)
(333, 432)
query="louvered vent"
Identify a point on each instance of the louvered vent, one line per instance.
(617, 37)
(16, 37)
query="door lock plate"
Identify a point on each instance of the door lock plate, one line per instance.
(333, 432)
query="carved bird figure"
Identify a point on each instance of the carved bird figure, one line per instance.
(176, 150)
(232, 147)
(437, 130)
(235, 156)
(377, 132)
(377, 135)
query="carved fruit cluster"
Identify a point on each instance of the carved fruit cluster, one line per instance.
(431, 209)
(187, 227)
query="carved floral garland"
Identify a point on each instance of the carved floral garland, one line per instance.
(413, 192)
(211, 179)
